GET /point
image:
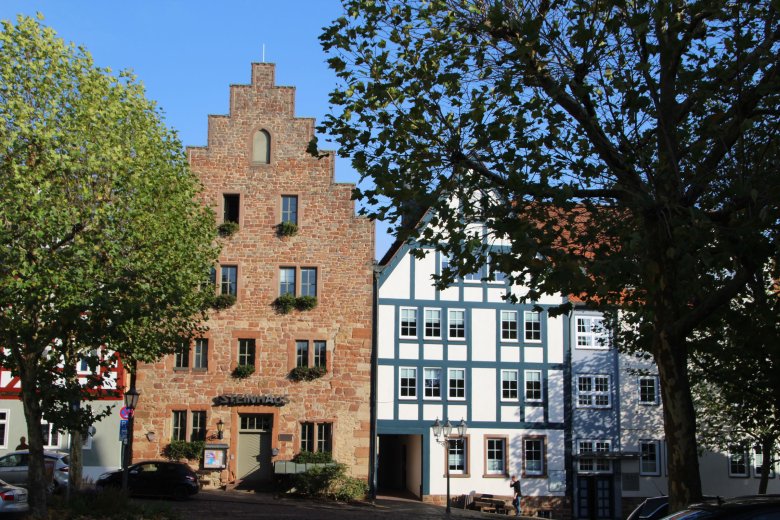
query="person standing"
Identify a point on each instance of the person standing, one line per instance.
(515, 485)
(22, 444)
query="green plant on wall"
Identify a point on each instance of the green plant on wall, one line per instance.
(178, 450)
(285, 303)
(305, 303)
(306, 373)
(227, 228)
(287, 229)
(223, 301)
(243, 371)
(315, 457)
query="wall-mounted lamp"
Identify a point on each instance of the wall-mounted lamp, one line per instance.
(151, 436)
(220, 428)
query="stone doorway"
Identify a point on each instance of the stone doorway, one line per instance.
(254, 467)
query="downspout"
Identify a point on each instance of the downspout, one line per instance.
(372, 440)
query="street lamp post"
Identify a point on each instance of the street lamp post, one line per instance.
(131, 401)
(443, 434)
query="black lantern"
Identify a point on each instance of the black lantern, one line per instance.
(131, 398)
(220, 428)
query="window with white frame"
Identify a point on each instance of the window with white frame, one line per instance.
(533, 456)
(590, 332)
(494, 273)
(408, 322)
(532, 326)
(738, 461)
(433, 323)
(758, 461)
(533, 386)
(508, 385)
(593, 391)
(432, 382)
(286, 281)
(495, 460)
(592, 456)
(509, 325)
(648, 390)
(408, 382)
(457, 383)
(4, 414)
(457, 324)
(51, 437)
(649, 458)
(456, 456)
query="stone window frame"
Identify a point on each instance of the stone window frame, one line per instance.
(269, 146)
(316, 441)
(466, 472)
(311, 339)
(278, 207)
(505, 445)
(297, 270)
(543, 452)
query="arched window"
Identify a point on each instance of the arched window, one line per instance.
(261, 147)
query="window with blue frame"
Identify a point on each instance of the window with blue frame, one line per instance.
(432, 382)
(457, 323)
(433, 323)
(457, 383)
(286, 281)
(408, 322)
(407, 382)
(308, 281)
(290, 209)
(532, 321)
(509, 325)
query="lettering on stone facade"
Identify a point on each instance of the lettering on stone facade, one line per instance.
(247, 399)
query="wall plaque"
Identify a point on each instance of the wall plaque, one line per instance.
(245, 399)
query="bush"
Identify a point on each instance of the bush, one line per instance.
(227, 229)
(223, 301)
(316, 457)
(306, 373)
(328, 481)
(305, 303)
(243, 371)
(287, 229)
(178, 450)
(285, 303)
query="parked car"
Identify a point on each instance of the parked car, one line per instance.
(13, 499)
(652, 508)
(752, 507)
(154, 477)
(13, 468)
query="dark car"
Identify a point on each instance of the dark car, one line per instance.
(154, 477)
(652, 508)
(753, 507)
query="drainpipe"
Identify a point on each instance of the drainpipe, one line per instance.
(372, 441)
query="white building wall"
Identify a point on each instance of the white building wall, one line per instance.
(397, 283)
(386, 318)
(483, 335)
(385, 392)
(483, 394)
(424, 269)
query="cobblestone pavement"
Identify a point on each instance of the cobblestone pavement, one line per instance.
(214, 505)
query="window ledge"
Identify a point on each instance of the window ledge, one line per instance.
(495, 475)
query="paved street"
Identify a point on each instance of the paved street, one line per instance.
(211, 505)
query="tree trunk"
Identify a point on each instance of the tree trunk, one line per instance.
(75, 471)
(766, 463)
(32, 412)
(679, 420)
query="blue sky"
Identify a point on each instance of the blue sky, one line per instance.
(188, 52)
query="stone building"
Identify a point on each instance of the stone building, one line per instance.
(278, 376)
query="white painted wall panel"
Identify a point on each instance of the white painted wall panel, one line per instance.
(431, 412)
(534, 355)
(386, 332)
(450, 294)
(496, 294)
(433, 352)
(457, 412)
(534, 413)
(510, 414)
(555, 339)
(408, 351)
(555, 395)
(510, 354)
(472, 294)
(397, 284)
(457, 352)
(408, 412)
(385, 393)
(483, 392)
(424, 268)
(483, 335)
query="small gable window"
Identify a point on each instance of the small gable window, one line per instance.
(261, 147)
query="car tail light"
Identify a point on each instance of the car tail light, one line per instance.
(8, 496)
(190, 478)
(64, 470)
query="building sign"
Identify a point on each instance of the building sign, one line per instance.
(245, 399)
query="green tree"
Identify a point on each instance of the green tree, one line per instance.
(734, 370)
(622, 151)
(103, 240)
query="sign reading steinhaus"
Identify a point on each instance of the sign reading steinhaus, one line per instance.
(244, 399)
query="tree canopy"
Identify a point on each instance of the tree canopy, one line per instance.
(625, 152)
(104, 243)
